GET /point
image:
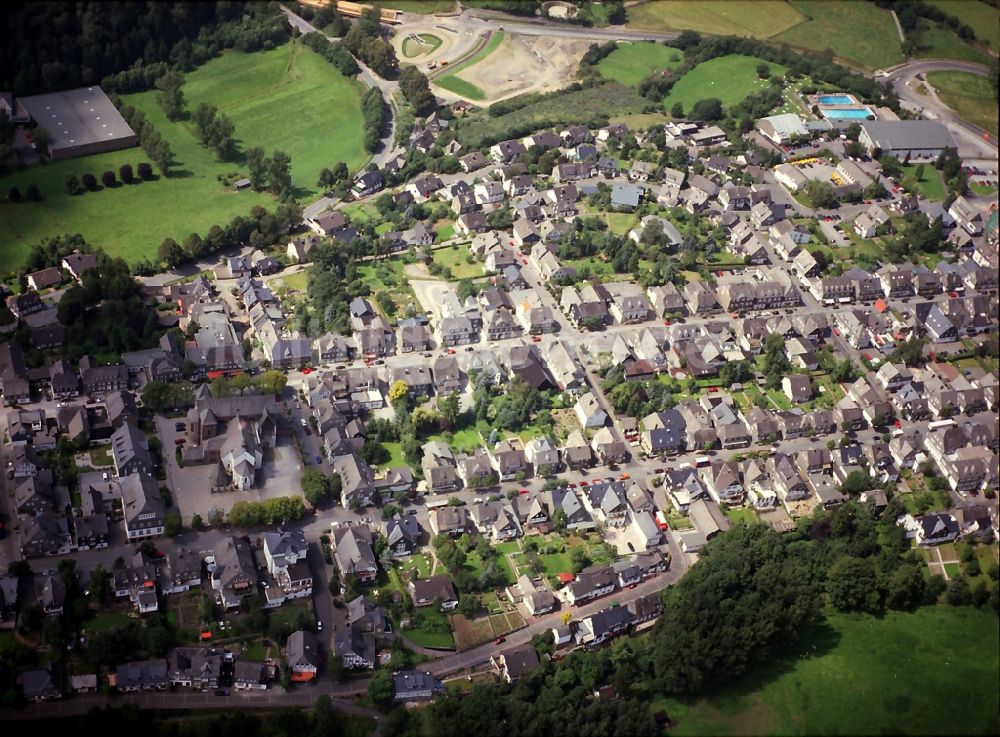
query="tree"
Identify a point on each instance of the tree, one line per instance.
(450, 408)
(381, 689)
(32, 193)
(197, 523)
(257, 164)
(280, 173)
(145, 171)
(108, 179)
(821, 194)
(852, 585)
(763, 71)
(325, 180)
(90, 182)
(99, 585)
(172, 524)
(170, 253)
(41, 138)
(315, 486)
(14, 194)
(856, 482)
(72, 184)
(776, 363)
(709, 109)
(171, 96)
(677, 110)
(469, 606)
(271, 382)
(398, 392)
(959, 593)
(125, 173)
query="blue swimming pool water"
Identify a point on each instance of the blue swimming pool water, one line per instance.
(835, 100)
(848, 113)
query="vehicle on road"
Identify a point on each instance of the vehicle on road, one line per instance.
(319, 625)
(304, 421)
(499, 640)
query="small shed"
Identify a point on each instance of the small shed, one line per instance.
(241, 184)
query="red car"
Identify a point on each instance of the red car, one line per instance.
(536, 339)
(952, 295)
(667, 323)
(583, 483)
(713, 389)
(836, 332)
(451, 351)
(180, 441)
(307, 370)
(898, 425)
(499, 640)
(523, 491)
(572, 486)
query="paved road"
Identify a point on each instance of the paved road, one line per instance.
(969, 137)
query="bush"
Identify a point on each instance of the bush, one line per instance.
(14, 195)
(145, 171)
(125, 173)
(90, 182)
(108, 179)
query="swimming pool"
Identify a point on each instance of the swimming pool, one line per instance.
(835, 100)
(847, 113)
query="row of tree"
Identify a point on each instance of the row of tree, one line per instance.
(374, 112)
(155, 145)
(364, 40)
(273, 172)
(215, 130)
(275, 511)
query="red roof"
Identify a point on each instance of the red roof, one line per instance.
(216, 374)
(565, 577)
(880, 305)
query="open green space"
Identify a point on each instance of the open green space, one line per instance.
(418, 6)
(288, 98)
(970, 95)
(630, 63)
(101, 456)
(427, 44)
(621, 223)
(857, 32)
(979, 16)
(444, 233)
(419, 563)
(297, 282)
(933, 672)
(760, 18)
(257, 651)
(937, 42)
(459, 86)
(729, 78)
(981, 189)
(430, 628)
(929, 184)
(396, 459)
(742, 515)
(386, 275)
(106, 621)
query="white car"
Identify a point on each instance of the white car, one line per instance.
(319, 626)
(304, 422)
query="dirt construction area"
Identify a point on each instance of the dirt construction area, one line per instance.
(526, 64)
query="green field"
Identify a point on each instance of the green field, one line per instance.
(729, 78)
(631, 62)
(757, 18)
(396, 459)
(979, 16)
(969, 95)
(933, 672)
(276, 98)
(930, 184)
(288, 98)
(857, 32)
(936, 42)
(418, 6)
(413, 48)
(454, 259)
(459, 86)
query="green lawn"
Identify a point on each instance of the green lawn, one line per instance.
(981, 189)
(508, 548)
(760, 18)
(413, 48)
(556, 563)
(730, 78)
(419, 6)
(106, 621)
(256, 652)
(430, 629)
(621, 223)
(937, 42)
(418, 563)
(288, 98)
(631, 62)
(857, 32)
(466, 439)
(929, 185)
(744, 515)
(932, 672)
(297, 282)
(395, 456)
(979, 16)
(101, 456)
(969, 95)
(459, 86)
(444, 233)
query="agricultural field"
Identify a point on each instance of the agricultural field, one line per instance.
(858, 674)
(979, 16)
(937, 42)
(630, 63)
(759, 19)
(969, 95)
(860, 34)
(260, 92)
(730, 78)
(256, 91)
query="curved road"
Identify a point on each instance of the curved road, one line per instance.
(969, 137)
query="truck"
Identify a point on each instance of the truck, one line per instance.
(661, 520)
(932, 426)
(702, 461)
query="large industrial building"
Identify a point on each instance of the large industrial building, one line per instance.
(80, 122)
